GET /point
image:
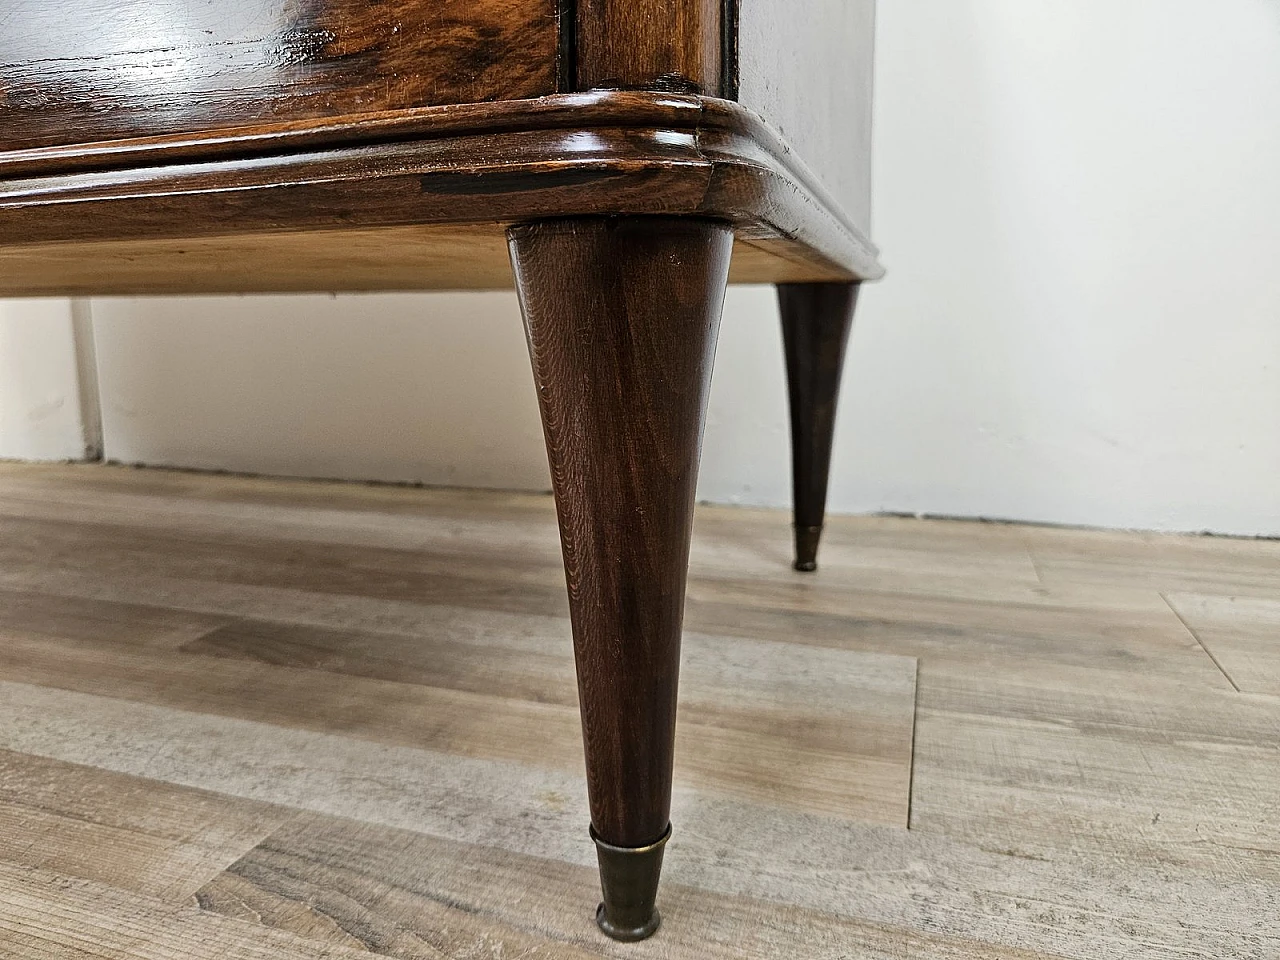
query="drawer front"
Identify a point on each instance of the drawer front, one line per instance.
(76, 71)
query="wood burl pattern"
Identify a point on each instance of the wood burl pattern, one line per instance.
(75, 71)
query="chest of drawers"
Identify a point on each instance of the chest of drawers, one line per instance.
(620, 161)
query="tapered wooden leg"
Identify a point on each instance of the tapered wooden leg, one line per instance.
(622, 316)
(816, 319)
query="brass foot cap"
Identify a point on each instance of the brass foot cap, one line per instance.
(807, 548)
(628, 934)
(629, 882)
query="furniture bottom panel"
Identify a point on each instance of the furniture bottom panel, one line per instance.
(431, 257)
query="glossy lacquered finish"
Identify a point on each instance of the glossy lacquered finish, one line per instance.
(75, 71)
(673, 46)
(604, 153)
(622, 316)
(816, 320)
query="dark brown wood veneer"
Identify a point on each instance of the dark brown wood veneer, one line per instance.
(673, 46)
(75, 71)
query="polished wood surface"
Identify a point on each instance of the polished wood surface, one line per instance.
(622, 317)
(77, 71)
(581, 154)
(139, 122)
(816, 320)
(674, 45)
(207, 747)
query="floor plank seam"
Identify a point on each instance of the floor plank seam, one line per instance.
(1031, 555)
(915, 726)
(1195, 636)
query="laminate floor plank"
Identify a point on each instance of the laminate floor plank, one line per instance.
(104, 551)
(443, 520)
(143, 836)
(754, 714)
(278, 543)
(441, 524)
(1164, 562)
(1039, 789)
(272, 718)
(406, 895)
(927, 894)
(990, 622)
(1241, 633)
(47, 916)
(35, 614)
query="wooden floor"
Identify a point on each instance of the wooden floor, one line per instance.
(265, 719)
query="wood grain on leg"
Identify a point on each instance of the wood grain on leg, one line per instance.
(816, 320)
(622, 316)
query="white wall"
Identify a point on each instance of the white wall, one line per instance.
(1079, 203)
(391, 387)
(42, 411)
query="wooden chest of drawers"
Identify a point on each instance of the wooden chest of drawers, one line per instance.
(626, 157)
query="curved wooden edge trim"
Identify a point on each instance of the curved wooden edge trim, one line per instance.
(602, 153)
(597, 108)
(727, 117)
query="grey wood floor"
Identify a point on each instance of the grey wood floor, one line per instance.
(272, 719)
